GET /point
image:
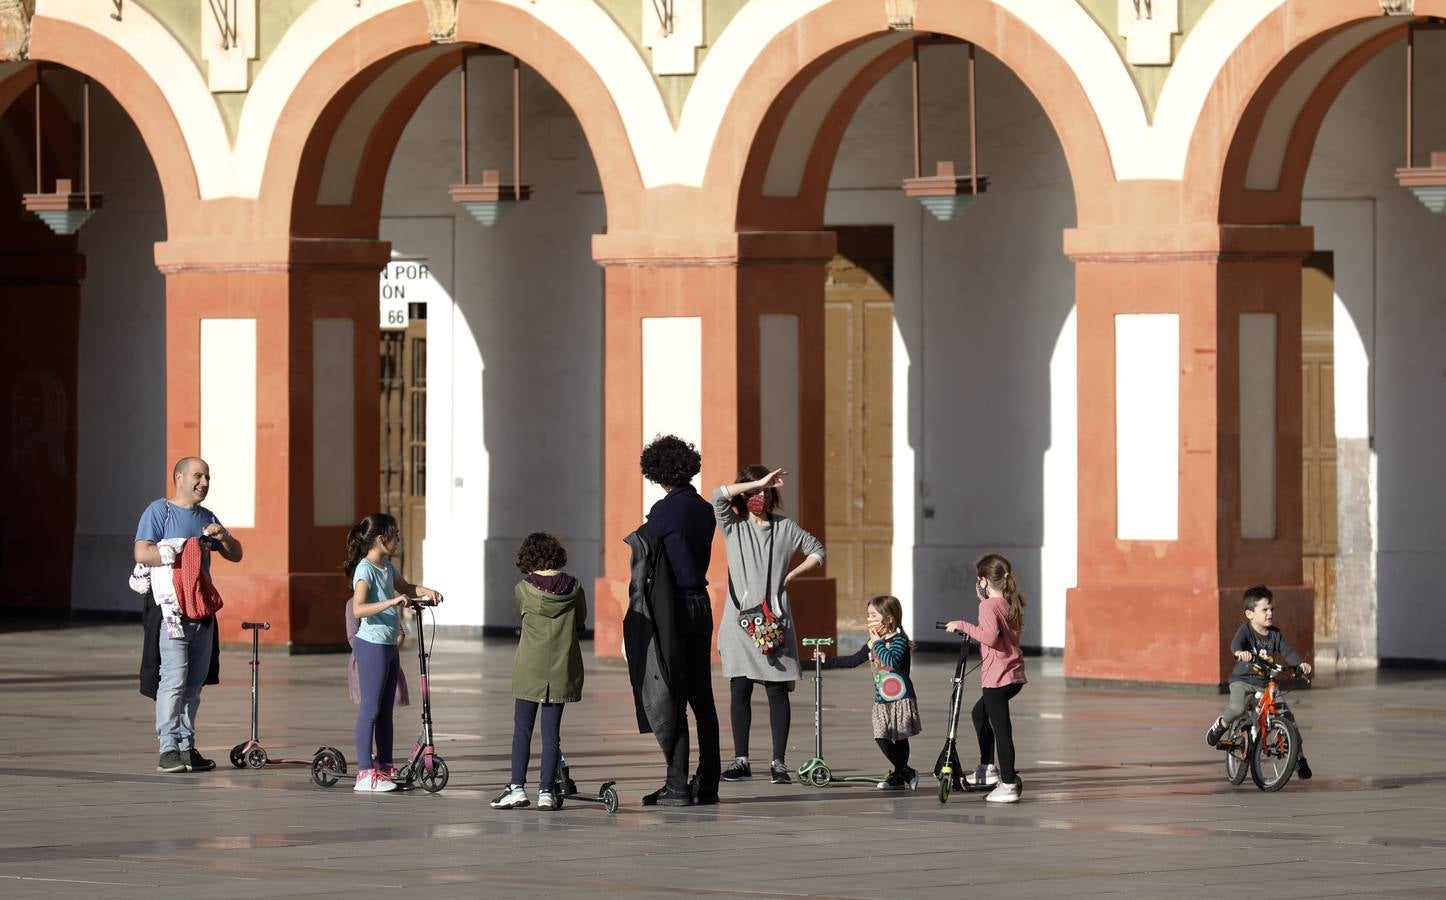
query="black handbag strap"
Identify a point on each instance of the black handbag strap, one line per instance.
(767, 585)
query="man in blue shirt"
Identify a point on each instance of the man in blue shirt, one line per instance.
(184, 645)
(683, 521)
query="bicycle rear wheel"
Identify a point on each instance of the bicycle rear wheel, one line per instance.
(1275, 755)
(1237, 758)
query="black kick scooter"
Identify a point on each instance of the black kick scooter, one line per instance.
(251, 753)
(948, 769)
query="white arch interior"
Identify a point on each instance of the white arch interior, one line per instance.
(1267, 157)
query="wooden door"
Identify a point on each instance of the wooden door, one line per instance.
(858, 507)
(1318, 442)
(404, 439)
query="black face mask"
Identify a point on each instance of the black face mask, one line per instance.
(979, 589)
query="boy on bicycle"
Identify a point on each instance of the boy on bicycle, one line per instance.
(1257, 636)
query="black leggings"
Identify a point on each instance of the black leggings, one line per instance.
(897, 753)
(780, 714)
(991, 723)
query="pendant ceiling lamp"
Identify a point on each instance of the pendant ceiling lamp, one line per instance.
(491, 200)
(944, 193)
(64, 210)
(1428, 183)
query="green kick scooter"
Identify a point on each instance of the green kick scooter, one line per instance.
(817, 772)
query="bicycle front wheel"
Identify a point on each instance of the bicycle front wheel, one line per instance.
(1275, 755)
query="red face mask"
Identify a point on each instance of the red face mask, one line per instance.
(758, 504)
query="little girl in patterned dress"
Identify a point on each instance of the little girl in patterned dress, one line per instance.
(896, 710)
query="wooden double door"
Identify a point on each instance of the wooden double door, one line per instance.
(859, 410)
(404, 439)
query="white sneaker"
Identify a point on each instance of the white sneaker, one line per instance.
(1004, 793)
(983, 776)
(546, 800)
(512, 797)
(374, 782)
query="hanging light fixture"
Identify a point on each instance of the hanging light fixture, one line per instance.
(1428, 183)
(64, 210)
(489, 201)
(944, 193)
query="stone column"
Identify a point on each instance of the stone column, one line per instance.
(721, 342)
(1189, 448)
(272, 368)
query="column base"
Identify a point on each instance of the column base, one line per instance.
(1164, 635)
(307, 611)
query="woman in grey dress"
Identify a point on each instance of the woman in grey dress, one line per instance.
(761, 547)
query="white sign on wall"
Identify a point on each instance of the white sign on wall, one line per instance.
(404, 281)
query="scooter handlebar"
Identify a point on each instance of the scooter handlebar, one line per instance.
(941, 625)
(255, 626)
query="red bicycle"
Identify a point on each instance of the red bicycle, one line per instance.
(1266, 741)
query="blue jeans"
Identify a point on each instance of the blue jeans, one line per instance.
(184, 663)
(524, 716)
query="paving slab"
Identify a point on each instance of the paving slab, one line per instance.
(1122, 796)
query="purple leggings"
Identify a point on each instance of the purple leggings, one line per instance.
(378, 666)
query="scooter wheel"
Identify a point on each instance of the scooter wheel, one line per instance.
(944, 789)
(609, 796)
(324, 767)
(820, 776)
(336, 755)
(256, 758)
(238, 756)
(435, 778)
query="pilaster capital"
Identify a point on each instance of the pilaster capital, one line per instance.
(212, 254)
(729, 250)
(1206, 242)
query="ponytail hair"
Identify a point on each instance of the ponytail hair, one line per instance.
(999, 572)
(363, 535)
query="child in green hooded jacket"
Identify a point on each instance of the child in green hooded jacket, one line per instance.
(548, 670)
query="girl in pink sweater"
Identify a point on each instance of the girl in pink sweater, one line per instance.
(1001, 617)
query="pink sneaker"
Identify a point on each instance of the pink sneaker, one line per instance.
(373, 781)
(382, 782)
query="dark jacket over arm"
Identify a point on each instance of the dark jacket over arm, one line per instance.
(651, 638)
(853, 661)
(151, 649)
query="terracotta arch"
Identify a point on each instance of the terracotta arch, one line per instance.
(796, 52)
(87, 52)
(1236, 105)
(310, 110)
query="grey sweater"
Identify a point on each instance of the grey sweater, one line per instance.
(747, 545)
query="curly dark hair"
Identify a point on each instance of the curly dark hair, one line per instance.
(669, 461)
(539, 552)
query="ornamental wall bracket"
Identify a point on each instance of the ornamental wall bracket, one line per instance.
(15, 16)
(442, 21)
(900, 14)
(1398, 7)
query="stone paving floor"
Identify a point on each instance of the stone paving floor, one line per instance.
(1122, 796)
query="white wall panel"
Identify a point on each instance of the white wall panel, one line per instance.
(333, 422)
(1257, 425)
(672, 386)
(778, 376)
(228, 417)
(1147, 426)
